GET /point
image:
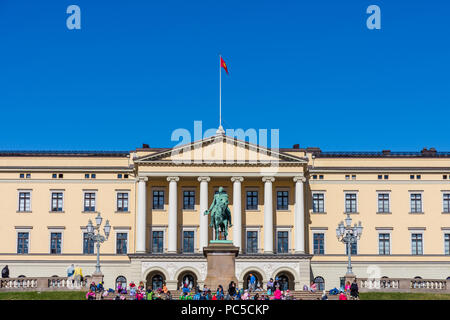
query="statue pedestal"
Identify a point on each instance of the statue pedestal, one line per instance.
(220, 256)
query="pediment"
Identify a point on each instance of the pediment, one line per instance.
(220, 149)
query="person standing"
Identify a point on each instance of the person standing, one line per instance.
(354, 291)
(252, 282)
(5, 272)
(70, 272)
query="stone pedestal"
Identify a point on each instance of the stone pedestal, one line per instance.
(220, 256)
(350, 278)
(96, 277)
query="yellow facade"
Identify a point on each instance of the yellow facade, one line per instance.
(332, 175)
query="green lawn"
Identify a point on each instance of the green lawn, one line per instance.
(52, 295)
(403, 296)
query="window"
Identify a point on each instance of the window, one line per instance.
(22, 242)
(188, 199)
(122, 201)
(354, 249)
(386, 176)
(86, 175)
(57, 201)
(119, 176)
(252, 200)
(93, 175)
(24, 201)
(283, 241)
(121, 243)
(55, 242)
(318, 202)
(416, 244)
(353, 176)
(321, 176)
(125, 176)
(54, 175)
(22, 175)
(122, 281)
(89, 201)
(380, 177)
(383, 203)
(418, 176)
(411, 176)
(188, 241)
(347, 177)
(57, 175)
(446, 204)
(416, 202)
(158, 199)
(88, 244)
(252, 241)
(319, 243)
(314, 176)
(384, 243)
(447, 243)
(282, 200)
(350, 202)
(157, 241)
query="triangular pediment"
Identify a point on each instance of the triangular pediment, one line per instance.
(221, 149)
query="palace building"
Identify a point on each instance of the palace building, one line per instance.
(286, 205)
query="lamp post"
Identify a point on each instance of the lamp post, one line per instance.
(93, 233)
(348, 235)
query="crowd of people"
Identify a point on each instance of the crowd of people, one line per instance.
(233, 292)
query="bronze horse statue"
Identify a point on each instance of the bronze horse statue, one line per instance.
(220, 214)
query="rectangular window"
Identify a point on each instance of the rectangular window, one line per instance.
(24, 201)
(447, 243)
(157, 241)
(188, 199)
(282, 200)
(416, 202)
(318, 202)
(22, 242)
(383, 203)
(88, 244)
(252, 200)
(89, 201)
(121, 243)
(354, 249)
(122, 201)
(57, 201)
(188, 241)
(319, 243)
(416, 244)
(55, 242)
(283, 241)
(384, 244)
(446, 204)
(252, 241)
(350, 202)
(158, 199)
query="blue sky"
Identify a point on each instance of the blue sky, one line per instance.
(137, 70)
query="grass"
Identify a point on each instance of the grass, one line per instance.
(48, 295)
(403, 296)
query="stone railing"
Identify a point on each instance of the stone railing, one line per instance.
(43, 284)
(403, 285)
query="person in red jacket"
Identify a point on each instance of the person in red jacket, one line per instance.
(342, 296)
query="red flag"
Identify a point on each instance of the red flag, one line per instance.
(223, 64)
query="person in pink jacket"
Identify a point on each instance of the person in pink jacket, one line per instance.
(277, 294)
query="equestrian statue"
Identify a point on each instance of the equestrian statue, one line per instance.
(220, 214)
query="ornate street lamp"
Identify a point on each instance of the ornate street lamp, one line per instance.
(93, 233)
(349, 235)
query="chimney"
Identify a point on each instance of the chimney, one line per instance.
(386, 152)
(429, 152)
(145, 146)
(296, 146)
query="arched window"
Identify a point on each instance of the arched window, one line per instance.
(55, 276)
(21, 276)
(320, 283)
(157, 282)
(122, 280)
(417, 277)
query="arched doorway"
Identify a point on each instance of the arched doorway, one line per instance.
(187, 277)
(122, 280)
(286, 280)
(320, 283)
(155, 280)
(258, 279)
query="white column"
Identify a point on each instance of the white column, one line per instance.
(203, 207)
(299, 215)
(237, 212)
(141, 219)
(268, 214)
(173, 211)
